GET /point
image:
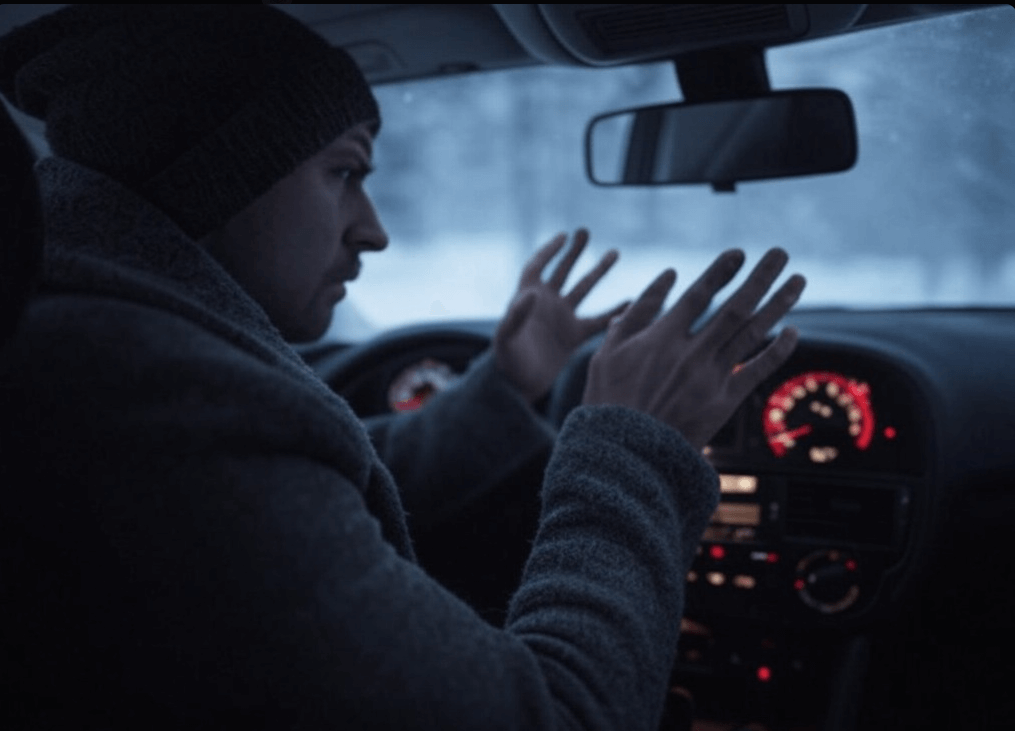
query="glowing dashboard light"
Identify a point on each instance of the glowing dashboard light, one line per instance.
(728, 514)
(764, 674)
(890, 432)
(740, 484)
(744, 581)
(416, 384)
(850, 565)
(717, 552)
(799, 584)
(772, 558)
(715, 578)
(820, 455)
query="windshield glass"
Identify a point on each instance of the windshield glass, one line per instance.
(475, 172)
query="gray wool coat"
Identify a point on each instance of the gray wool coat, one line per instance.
(197, 532)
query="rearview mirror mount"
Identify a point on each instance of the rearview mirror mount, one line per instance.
(772, 135)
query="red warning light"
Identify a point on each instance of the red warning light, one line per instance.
(717, 552)
(850, 565)
(890, 432)
(799, 584)
(772, 558)
(764, 674)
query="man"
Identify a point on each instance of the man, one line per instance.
(198, 532)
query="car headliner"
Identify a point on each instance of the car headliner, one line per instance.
(398, 42)
(401, 42)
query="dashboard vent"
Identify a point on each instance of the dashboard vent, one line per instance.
(620, 29)
(855, 514)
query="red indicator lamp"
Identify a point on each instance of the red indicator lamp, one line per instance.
(717, 552)
(772, 558)
(850, 565)
(764, 674)
(411, 404)
(799, 584)
(890, 432)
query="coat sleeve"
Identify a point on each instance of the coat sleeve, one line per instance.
(464, 441)
(205, 550)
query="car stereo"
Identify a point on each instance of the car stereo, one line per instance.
(793, 548)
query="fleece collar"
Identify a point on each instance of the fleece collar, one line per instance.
(103, 239)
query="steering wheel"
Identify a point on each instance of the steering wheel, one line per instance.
(356, 372)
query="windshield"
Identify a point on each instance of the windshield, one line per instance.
(474, 172)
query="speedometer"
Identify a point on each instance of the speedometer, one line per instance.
(820, 413)
(414, 386)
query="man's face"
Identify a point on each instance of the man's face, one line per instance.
(294, 248)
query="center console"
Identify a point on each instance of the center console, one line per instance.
(788, 568)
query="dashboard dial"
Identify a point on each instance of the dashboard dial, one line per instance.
(418, 383)
(828, 581)
(820, 413)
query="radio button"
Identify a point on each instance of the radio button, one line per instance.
(744, 581)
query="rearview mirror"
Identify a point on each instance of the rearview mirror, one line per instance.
(777, 135)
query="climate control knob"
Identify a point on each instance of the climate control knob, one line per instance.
(828, 581)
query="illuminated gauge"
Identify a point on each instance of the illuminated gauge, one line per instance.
(414, 386)
(821, 414)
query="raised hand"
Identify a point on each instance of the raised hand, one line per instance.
(687, 381)
(541, 330)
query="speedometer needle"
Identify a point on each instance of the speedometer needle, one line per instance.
(790, 435)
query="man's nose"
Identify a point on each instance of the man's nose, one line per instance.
(368, 234)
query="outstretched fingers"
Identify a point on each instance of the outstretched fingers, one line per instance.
(764, 364)
(532, 274)
(644, 309)
(563, 269)
(739, 308)
(590, 280)
(699, 295)
(752, 334)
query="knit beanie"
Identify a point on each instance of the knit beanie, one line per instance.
(199, 109)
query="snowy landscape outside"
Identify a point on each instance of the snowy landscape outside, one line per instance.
(474, 172)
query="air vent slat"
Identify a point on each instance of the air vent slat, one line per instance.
(644, 27)
(857, 515)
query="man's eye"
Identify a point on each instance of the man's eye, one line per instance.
(354, 176)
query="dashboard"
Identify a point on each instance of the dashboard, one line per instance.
(835, 470)
(818, 473)
(838, 476)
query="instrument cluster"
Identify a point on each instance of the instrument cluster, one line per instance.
(827, 412)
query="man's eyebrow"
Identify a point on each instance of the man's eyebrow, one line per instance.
(363, 141)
